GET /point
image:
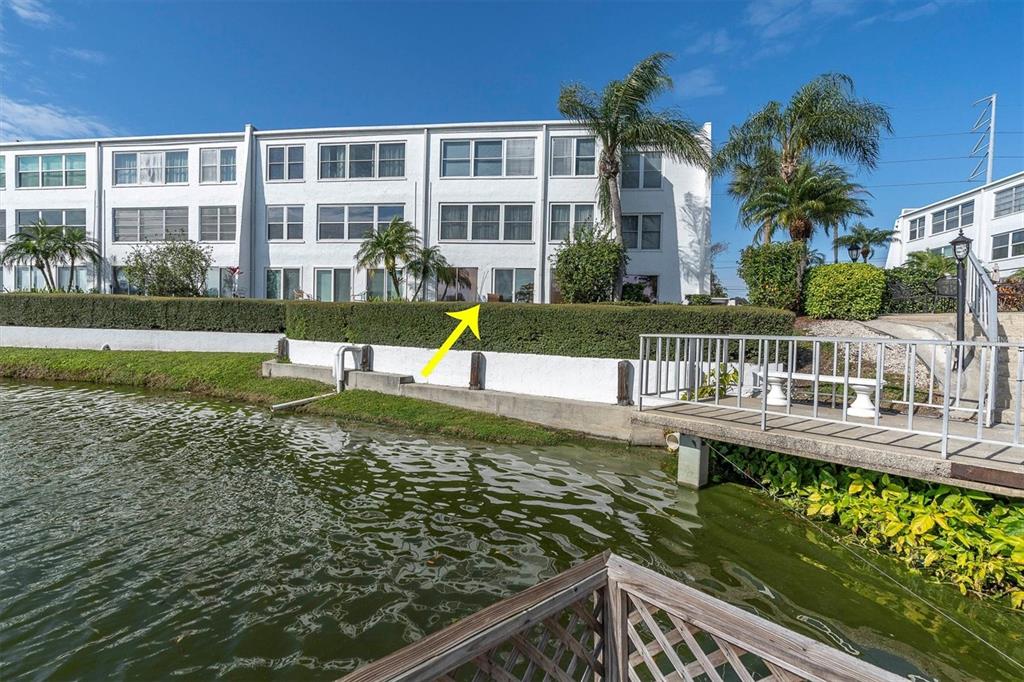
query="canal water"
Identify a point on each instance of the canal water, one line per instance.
(145, 537)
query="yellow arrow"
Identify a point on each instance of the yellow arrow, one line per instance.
(468, 318)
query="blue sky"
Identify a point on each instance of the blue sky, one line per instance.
(73, 69)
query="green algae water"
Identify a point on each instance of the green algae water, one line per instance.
(144, 537)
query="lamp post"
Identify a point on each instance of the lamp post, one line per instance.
(854, 251)
(961, 248)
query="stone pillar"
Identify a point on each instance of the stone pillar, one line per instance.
(691, 459)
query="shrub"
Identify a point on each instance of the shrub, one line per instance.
(772, 274)
(845, 291)
(1011, 294)
(912, 290)
(599, 330)
(587, 267)
(104, 311)
(698, 299)
(168, 268)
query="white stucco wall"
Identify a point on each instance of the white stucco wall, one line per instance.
(589, 379)
(138, 339)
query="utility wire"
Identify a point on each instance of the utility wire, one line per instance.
(871, 564)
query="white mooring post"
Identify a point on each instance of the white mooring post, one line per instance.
(691, 458)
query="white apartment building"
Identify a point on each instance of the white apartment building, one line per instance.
(992, 215)
(290, 208)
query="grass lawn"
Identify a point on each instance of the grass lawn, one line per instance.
(236, 376)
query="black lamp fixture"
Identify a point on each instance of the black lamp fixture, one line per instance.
(961, 247)
(854, 251)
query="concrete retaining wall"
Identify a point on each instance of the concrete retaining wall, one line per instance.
(137, 339)
(553, 376)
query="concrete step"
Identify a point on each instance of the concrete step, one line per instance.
(382, 382)
(275, 369)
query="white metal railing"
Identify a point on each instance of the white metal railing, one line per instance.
(982, 298)
(952, 390)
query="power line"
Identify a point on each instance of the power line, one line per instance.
(969, 132)
(944, 158)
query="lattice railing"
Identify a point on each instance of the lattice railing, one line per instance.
(611, 619)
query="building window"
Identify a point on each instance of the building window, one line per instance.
(1008, 201)
(80, 282)
(365, 160)
(514, 284)
(119, 283)
(220, 282)
(217, 223)
(640, 288)
(151, 224)
(28, 279)
(284, 283)
(642, 232)
(51, 170)
(1008, 245)
(953, 218)
(457, 284)
(284, 223)
(285, 162)
(332, 284)
(946, 250)
(566, 216)
(486, 222)
(573, 156)
(3, 225)
(151, 168)
(379, 285)
(917, 228)
(217, 165)
(641, 170)
(487, 158)
(354, 222)
(64, 217)
(3, 172)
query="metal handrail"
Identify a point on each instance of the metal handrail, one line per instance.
(982, 298)
(339, 364)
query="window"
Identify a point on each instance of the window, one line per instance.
(953, 218)
(514, 284)
(457, 284)
(487, 158)
(81, 278)
(354, 222)
(1008, 201)
(573, 155)
(1008, 245)
(283, 283)
(486, 222)
(946, 250)
(51, 170)
(641, 288)
(332, 284)
(3, 225)
(917, 228)
(566, 216)
(642, 232)
(284, 222)
(380, 286)
(150, 224)
(119, 283)
(641, 170)
(3, 172)
(66, 217)
(28, 279)
(151, 168)
(217, 224)
(217, 165)
(285, 163)
(365, 160)
(220, 282)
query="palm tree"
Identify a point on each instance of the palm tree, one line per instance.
(749, 178)
(75, 245)
(622, 118)
(867, 238)
(933, 263)
(37, 246)
(823, 117)
(398, 241)
(427, 262)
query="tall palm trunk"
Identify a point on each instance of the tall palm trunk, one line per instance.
(610, 176)
(71, 274)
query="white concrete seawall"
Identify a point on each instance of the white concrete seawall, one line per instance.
(138, 339)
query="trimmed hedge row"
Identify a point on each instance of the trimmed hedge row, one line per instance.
(105, 311)
(844, 291)
(600, 330)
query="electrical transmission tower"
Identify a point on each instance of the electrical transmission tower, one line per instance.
(985, 148)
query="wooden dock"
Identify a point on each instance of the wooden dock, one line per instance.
(610, 619)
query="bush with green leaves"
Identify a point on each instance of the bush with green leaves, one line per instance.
(698, 299)
(108, 311)
(587, 266)
(772, 274)
(912, 290)
(605, 330)
(169, 268)
(953, 535)
(845, 291)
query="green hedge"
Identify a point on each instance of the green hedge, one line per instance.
(844, 291)
(601, 330)
(772, 273)
(105, 311)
